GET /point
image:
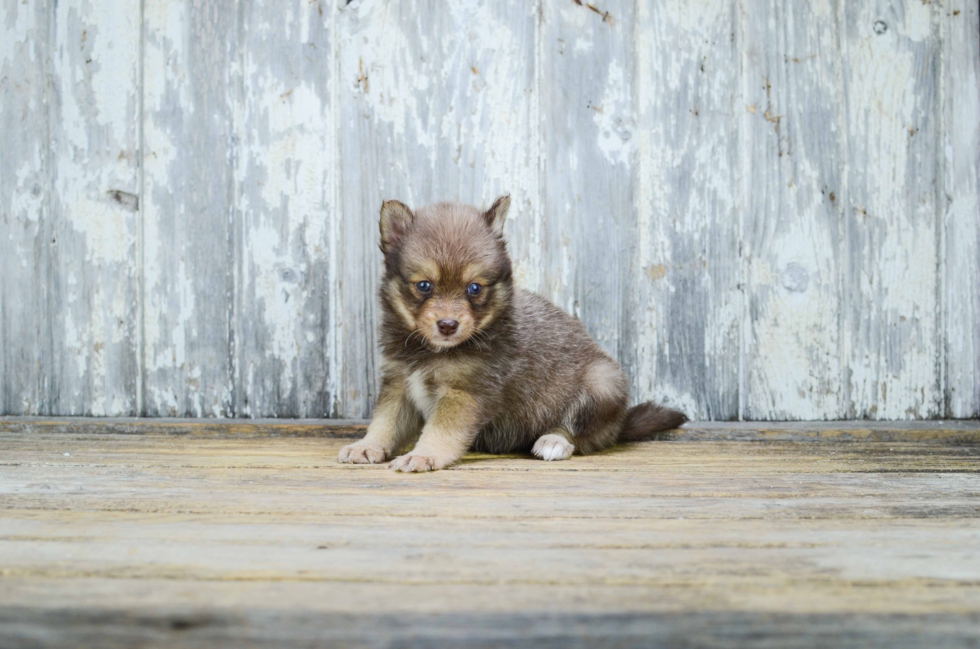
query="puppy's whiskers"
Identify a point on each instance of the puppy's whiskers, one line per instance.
(483, 339)
(421, 338)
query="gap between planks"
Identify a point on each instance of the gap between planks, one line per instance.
(936, 432)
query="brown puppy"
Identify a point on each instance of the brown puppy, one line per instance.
(472, 362)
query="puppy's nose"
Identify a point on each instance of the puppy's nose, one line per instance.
(448, 327)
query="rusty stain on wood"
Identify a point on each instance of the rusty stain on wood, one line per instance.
(606, 17)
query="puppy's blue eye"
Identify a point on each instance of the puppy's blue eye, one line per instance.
(474, 289)
(423, 286)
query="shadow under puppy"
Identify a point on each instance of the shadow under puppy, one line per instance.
(472, 362)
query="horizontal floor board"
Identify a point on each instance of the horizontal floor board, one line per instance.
(253, 628)
(250, 537)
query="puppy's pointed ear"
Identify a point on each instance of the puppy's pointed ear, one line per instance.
(395, 220)
(497, 214)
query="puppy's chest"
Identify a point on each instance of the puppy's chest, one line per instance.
(427, 384)
(421, 394)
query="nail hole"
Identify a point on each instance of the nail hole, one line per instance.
(129, 201)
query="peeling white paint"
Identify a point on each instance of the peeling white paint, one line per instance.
(279, 302)
(21, 33)
(891, 320)
(285, 170)
(793, 191)
(613, 117)
(687, 210)
(961, 120)
(23, 200)
(93, 112)
(109, 231)
(28, 198)
(797, 166)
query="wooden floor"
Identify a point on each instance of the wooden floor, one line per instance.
(176, 534)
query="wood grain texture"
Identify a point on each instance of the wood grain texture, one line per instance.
(25, 189)
(688, 241)
(892, 317)
(961, 148)
(135, 535)
(91, 236)
(192, 79)
(791, 121)
(259, 628)
(284, 343)
(435, 105)
(588, 124)
(763, 209)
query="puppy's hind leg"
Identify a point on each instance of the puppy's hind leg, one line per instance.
(594, 420)
(597, 419)
(554, 445)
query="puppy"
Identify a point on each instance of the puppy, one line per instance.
(472, 362)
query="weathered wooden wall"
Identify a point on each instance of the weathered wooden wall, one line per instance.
(767, 209)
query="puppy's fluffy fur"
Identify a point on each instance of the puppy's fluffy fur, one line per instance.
(471, 362)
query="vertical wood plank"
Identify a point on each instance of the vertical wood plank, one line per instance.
(688, 275)
(961, 144)
(852, 176)
(793, 152)
(91, 235)
(892, 317)
(285, 211)
(588, 127)
(191, 82)
(435, 102)
(24, 189)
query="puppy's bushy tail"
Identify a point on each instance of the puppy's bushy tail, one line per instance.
(646, 419)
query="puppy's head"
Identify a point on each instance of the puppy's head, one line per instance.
(447, 272)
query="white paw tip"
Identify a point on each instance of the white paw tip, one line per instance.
(553, 447)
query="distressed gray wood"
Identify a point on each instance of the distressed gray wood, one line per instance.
(91, 236)
(588, 127)
(961, 149)
(192, 79)
(25, 183)
(764, 209)
(792, 161)
(286, 212)
(892, 308)
(256, 627)
(688, 270)
(434, 106)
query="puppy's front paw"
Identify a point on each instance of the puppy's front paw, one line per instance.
(362, 453)
(412, 463)
(553, 447)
